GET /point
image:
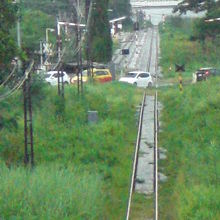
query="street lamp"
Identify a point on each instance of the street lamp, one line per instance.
(47, 34)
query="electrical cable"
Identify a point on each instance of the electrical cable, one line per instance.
(9, 76)
(19, 84)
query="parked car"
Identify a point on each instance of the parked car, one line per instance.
(99, 75)
(52, 77)
(138, 78)
(204, 73)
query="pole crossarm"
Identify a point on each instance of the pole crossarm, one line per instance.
(71, 24)
(212, 19)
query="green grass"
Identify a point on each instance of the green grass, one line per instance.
(191, 135)
(178, 48)
(64, 140)
(50, 193)
(142, 207)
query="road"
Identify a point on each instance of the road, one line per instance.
(139, 45)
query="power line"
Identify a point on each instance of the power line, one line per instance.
(9, 76)
(18, 85)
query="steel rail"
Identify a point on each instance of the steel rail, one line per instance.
(135, 159)
(156, 126)
(150, 52)
(156, 157)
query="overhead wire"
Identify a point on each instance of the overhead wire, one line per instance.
(19, 84)
(9, 76)
(80, 43)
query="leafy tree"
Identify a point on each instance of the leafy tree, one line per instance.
(120, 7)
(33, 26)
(194, 5)
(202, 29)
(8, 49)
(101, 42)
(51, 7)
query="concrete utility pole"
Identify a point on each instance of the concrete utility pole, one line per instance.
(60, 84)
(88, 11)
(18, 31)
(47, 34)
(19, 26)
(41, 54)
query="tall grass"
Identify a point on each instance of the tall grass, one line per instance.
(50, 193)
(63, 136)
(191, 135)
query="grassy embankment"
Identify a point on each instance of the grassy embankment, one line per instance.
(190, 132)
(191, 135)
(82, 170)
(177, 47)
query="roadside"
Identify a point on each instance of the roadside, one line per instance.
(189, 128)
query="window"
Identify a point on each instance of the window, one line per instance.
(47, 75)
(131, 75)
(100, 73)
(55, 75)
(143, 75)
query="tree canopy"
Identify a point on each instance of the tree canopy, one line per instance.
(101, 42)
(203, 29)
(120, 7)
(194, 5)
(8, 48)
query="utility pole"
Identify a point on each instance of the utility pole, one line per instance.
(88, 7)
(60, 84)
(41, 54)
(79, 48)
(80, 63)
(19, 26)
(18, 31)
(28, 125)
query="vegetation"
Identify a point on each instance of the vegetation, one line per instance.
(120, 7)
(191, 135)
(190, 127)
(8, 49)
(50, 193)
(203, 29)
(83, 157)
(179, 47)
(100, 36)
(36, 16)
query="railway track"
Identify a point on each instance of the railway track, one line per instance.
(151, 64)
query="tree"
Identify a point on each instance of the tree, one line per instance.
(120, 7)
(194, 5)
(8, 48)
(100, 36)
(51, 7)
(202, 29)
(33, 26)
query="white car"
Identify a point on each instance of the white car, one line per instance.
(138, 78)
(52, 77)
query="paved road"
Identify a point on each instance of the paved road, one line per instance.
(139, 45)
